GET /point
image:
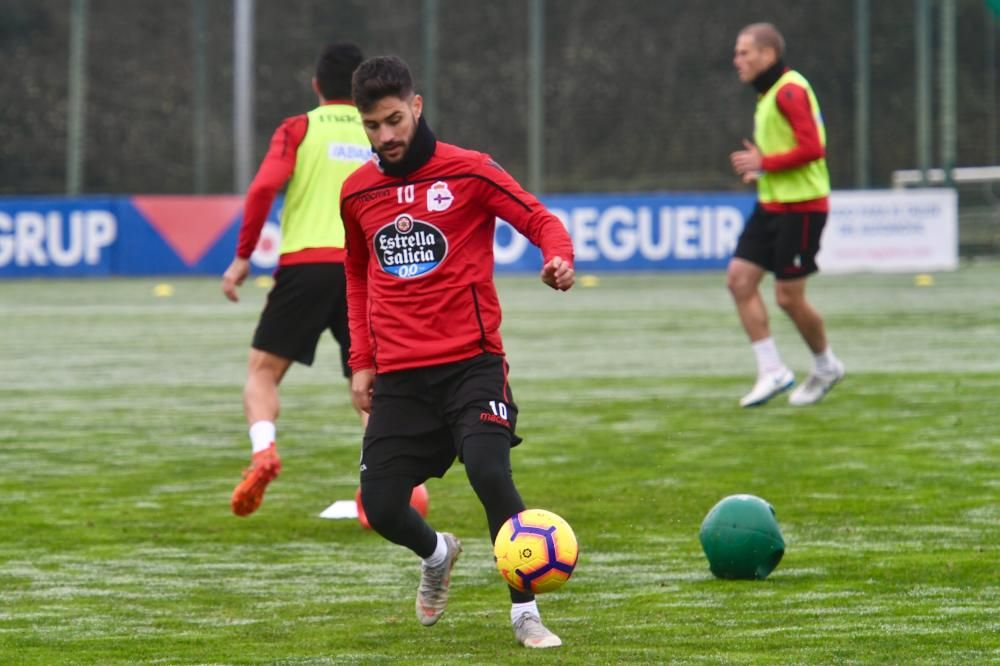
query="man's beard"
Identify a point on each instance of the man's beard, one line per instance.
(405, 145)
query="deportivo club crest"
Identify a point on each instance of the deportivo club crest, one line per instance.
(439, 197)
(409, 248)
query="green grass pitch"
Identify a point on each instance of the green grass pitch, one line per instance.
(122, 436)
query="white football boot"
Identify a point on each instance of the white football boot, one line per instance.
(767, 387)
(816, 386)
(531, 633)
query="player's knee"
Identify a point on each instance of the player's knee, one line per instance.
(732, 283)
(740, 285)
(383, 520)
(266, 368)
(488, 479)
(789, 300)
(384, 510)
(487, 464)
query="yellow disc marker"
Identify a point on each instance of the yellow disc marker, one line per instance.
(163, 290)
(924, 280)
(588, 281)
(264, 281)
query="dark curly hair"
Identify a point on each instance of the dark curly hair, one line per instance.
(379, 77)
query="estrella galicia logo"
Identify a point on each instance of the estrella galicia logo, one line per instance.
(409, 248)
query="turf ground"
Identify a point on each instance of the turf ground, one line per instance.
(121, 437)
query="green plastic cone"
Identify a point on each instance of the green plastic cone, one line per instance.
(741, 538)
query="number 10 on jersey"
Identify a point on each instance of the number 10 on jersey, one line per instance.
(405, 194)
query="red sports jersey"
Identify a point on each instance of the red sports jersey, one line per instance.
(419, 262)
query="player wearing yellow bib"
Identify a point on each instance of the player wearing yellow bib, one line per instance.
(314, 153)
(787, 160)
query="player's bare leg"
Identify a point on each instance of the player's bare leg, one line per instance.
(260, 393)
(790, 296)
(827, 369)
(743, 279)
(261, 405)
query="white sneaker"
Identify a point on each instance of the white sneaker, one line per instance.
(816, 386)
(767, 387)
(432, 595)
(531, 633)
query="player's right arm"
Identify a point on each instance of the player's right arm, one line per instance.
(274, 172)
(361, 359)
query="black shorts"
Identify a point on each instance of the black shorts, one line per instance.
(785, 244)
(420, 418)
(306, 300)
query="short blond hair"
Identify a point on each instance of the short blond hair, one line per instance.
(766, 36)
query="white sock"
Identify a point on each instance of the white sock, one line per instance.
(440, 553)
(517, 610)
(768, 359)
(262, 435)
(824, 361)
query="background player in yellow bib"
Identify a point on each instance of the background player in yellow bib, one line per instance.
(787, 160)
(314, 153)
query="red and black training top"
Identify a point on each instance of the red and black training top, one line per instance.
(419, 266)
(793, 103)
(274, 171)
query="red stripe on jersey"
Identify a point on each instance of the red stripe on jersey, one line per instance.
(313, 255)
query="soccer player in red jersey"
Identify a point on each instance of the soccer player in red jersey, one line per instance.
(313, 153)
(424, 315)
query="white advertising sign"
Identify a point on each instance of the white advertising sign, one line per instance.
(891, 231)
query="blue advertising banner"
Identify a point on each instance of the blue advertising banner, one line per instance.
(101, 236)
(174, 235)
(46, 236)
(632, 232)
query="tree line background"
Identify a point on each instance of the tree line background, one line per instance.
(640, 95)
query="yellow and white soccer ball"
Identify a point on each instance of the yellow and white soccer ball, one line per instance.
(536, 551)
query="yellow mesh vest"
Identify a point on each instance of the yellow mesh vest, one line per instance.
(773, 134)
(335, 145)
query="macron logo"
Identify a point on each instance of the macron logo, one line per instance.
(493, 418)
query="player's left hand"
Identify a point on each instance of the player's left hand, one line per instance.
(746, 161)
(558, 273)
